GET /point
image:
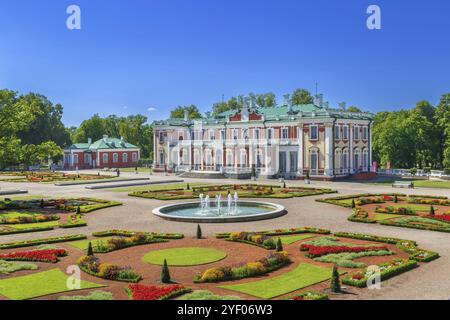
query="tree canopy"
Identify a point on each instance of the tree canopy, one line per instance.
(301, 96)
(178, 112)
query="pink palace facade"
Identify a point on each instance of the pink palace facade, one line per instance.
(287, 140)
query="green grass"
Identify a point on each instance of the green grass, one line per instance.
(7, 267)
(168, 186)
(386, 216)
(413, 207)
(23, 226)
(345, 259)
(206, 295)
(38, 285)
(432, 184)
(83, 244)
(14, 214)
(188, 256)
(29, 197)
(303, 276)
(140, 169)
(94, 295)
(286, 240)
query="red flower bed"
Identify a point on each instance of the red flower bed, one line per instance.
(35, 255)
(316, 251)
(141, 292)
(440, 217)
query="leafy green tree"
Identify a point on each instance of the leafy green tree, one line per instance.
(34, 154)
(301, 96)
(178, 112)
(354, 109)
(93, 128)
(442, 119)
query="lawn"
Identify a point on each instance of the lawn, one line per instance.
(29, 197)
(414, 207)
(301, 277)
(14, 214)
(38, 284)
(386, 216)
(432, 184)
(167, 186)
(23, 226)
(291, 239)
(189, 256)
(83, 244)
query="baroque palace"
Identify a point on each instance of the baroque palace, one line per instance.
(287, 141)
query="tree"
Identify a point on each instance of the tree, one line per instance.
(199, 232)
(178, 112)
(301, 96)
(279, 245)
(31, 154)
(93, 128)
(442, 120)
(90, 250)
(335, 281)
(165, 274)
(354, 109)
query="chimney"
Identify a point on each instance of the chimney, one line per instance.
(105, 137)
(186, 115)
(89, 141)
(287, 100)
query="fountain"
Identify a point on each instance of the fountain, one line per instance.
(230, 210)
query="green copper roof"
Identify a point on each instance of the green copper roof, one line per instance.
(105, 143)
(279, 113)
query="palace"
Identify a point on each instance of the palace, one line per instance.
(288, 141)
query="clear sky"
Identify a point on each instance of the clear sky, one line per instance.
(134, 55)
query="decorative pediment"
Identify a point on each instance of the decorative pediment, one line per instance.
(246, 115)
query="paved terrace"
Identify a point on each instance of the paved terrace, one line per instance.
(430, 281)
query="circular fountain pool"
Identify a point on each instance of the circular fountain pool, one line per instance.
(240, 211)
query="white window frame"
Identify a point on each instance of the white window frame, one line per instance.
(222, 135)
(75, 158)
(365, 133)
(283, 131)
(211, 135)
(257, 133)
(125, 157)
(345, 132)
(115, 157)
(337, 132)
(105, 156)
(311, 131)
(356, 133)
(270, 133)
(161, 136)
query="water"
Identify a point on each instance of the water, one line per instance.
(218, 209)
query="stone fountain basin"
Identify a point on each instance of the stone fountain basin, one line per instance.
(268, 211)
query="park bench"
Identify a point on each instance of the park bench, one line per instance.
(403, 184)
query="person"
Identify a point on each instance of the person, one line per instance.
(118, 172)
(136, 170)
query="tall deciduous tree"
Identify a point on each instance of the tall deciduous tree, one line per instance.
(301, 96)
(178, 112)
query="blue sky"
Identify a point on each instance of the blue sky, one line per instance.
(135, 54)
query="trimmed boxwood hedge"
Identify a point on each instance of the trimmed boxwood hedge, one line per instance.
(126, 233)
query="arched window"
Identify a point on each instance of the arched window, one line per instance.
(338, 159)
(356, 159)
(115, 158)
(365, 160)
(105, 158)
(243, 160)
(124, 157)
(230, 159)
(134, 157)
(345, 159)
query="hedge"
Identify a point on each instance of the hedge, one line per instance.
(35, 242)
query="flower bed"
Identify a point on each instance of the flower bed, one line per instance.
(260, 240)
(141, 292)
(93, 266)
(73, 221)
(28, 218)
(7, 231)
(310, 295)
(429, 201)
(345, 201)
(265, 265)
(281, 232)
(360, 215)
(35, 255)
(125, 233)
(318, 251)
(30, 243)
(417, 222)
(387, 270)
(395, 210)
(118, 243)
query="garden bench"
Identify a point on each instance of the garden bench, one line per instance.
(403, 184)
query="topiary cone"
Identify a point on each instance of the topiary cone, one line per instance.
(90, 251)
(431, 211)
(279, 245)
(199, 232)
(165, 274)
(335, 281)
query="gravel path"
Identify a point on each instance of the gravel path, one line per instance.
(430, 281)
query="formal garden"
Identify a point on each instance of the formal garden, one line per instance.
(303, 263)
(424, 212)
(186, 191)
(35, 215)
(52, 177)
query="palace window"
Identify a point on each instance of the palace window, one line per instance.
(222, 135)
(115, 158)
(365, 133)
(75, 159)
(257, 134)
(284, 133)
(345, 132)
(124, 157)
(161, 136)
(356, 132)
(211, 135)
(270, 133)
(105, 158)
(337, 132)
(314, 160)
(313, 132)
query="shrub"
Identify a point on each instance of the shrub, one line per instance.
(199, 232)
(335, 281)
(279, 245)
(310, 295)
(90, 251)
(165, 274)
